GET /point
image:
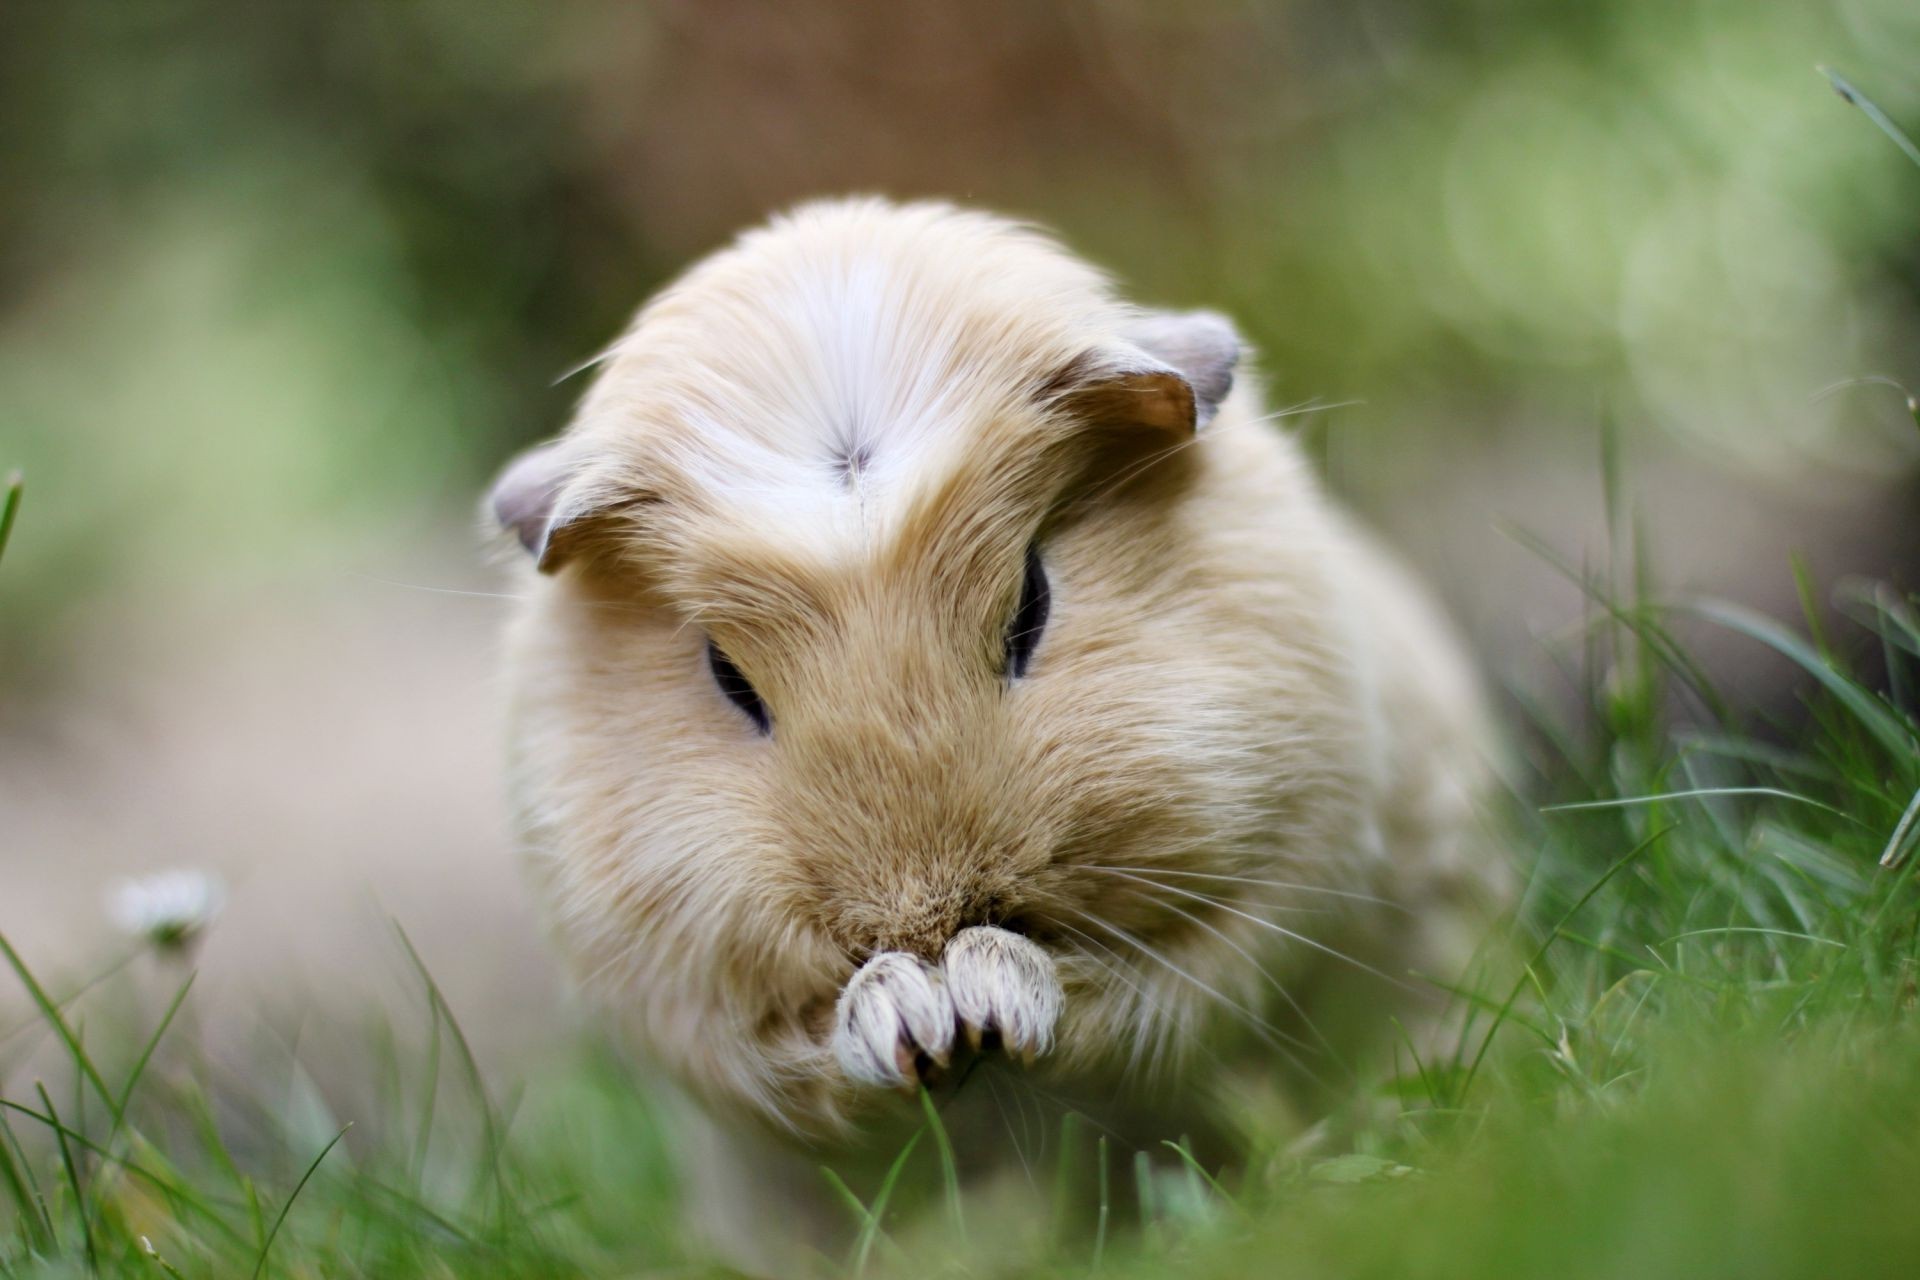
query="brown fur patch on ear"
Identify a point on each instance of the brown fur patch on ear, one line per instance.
(1093, 390)
(1169, 374)
(1201, 345)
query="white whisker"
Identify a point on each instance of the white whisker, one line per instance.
(1279, 929)
(1144, 1027)
(1254, 880)
(1263, 971)
(1269, 1034)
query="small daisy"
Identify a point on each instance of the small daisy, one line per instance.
(170, 908)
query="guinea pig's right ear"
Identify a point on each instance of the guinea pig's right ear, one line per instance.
(1169, 371)
(531, 501)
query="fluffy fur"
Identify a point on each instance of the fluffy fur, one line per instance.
(1244, 744)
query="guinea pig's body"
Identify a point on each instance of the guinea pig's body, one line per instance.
(939, 673)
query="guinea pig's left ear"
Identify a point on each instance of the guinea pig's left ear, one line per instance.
(1169, 372)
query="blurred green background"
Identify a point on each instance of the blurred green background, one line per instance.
(281, 284)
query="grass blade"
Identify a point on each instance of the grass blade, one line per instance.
(1526, 974)
(1106, 1208)
(949, 1168)
(10, 507)
(489, 1119)
(1195, 1168)
(261, 1262)
(870, 1231)
(73, 1178)
(430, 1098)
(1698, 793)
(35, 1020)
(153, 1043)
(1065, 1173)
(1896, 851)
(1873, 715)
(177, 1193)
(1853, 97)
(51, 1012)
(40, 1225)
(845, 1192)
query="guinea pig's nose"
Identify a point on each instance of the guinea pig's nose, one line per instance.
(914, 916)
(923, 940)
(922, 930)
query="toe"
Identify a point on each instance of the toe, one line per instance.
(894, 1012)
(1001, 983)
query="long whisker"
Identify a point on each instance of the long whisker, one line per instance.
(1163, 1018)
(1279, 929)
(1269, 1034)
(1154, 459)
(610, 606)
(1218, 900)
(1291, 885)
(1023, 1080)
(1262, 970)
(1013, 1138)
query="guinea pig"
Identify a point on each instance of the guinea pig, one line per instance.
(925, 659)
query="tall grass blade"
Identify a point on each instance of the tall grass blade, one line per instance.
(430, 1089)
(10, 507)
(266, 1248)
(40, 1223)
(1539, 953)
(949, 1168)
(73, 1178)
(1896, 850)
(1852, 96)
(176, 1191)
(51, 1012)
(1106, 1207)
(1698, 793)
(870, 1230)
(489, 1118)
(1065, 1173)
(1143, 1191)
(153, 1043)
(1197, 1171)
(1873, 715)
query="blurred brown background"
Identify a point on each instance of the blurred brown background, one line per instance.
(281, 284)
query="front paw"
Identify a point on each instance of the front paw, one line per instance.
(894, 1022)
(1002, 984)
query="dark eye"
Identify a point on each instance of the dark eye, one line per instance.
(1030, 619)
(738, 691)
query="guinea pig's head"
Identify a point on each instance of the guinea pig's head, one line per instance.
(887, 587)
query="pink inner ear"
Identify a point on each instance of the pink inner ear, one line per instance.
(524, 495)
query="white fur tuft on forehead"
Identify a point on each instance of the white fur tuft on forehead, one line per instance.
(807, 372)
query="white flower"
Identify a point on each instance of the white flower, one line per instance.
(168, 908)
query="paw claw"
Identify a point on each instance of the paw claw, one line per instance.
(893, 1014)
(1004, 986)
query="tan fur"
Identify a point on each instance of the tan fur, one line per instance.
(827, 449)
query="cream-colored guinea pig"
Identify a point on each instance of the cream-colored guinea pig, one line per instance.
(935, 668)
